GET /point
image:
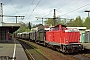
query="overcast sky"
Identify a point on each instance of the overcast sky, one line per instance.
(44, 8)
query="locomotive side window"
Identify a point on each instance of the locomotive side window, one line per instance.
(63, 28)
(56, 28)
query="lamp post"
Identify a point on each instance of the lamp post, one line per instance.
(87, 11)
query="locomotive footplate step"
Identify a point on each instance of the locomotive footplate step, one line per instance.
(12, 50)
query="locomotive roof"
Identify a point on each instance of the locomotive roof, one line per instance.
(61, 25)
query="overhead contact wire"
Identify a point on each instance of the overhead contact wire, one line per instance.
(59, 8)
(34, 9)
(76, 9)
(65, 4)
(13, 6)
(29, 7)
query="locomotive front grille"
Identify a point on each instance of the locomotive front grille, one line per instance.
(73, 37)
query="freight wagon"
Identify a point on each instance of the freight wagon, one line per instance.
(40, 36)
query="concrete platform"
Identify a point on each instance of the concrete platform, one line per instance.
(13, 49)
(86, 45)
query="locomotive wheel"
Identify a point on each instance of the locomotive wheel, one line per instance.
(64, 49)
(54, 47)
(44, 44)
(57, 49)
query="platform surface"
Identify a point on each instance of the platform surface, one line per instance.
(12, 49)
(86, 45)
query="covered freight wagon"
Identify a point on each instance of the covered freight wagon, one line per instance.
(40, 36)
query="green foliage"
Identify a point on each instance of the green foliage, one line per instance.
(53, 22)
(22, 28)
(61, 21)
(49, 22)
(27, 30)
(70, 23)
(87, 22)
(78, 22)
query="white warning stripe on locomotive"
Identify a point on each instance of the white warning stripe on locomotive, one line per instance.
(72, 30)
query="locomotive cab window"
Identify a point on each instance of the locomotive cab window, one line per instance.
(63, 28)
(56, 28)
(51, 29)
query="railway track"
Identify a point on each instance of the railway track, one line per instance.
(78, 56)
(83, 55)
(52, 54)
(32, 53)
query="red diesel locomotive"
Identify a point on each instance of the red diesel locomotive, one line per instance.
(64, 39)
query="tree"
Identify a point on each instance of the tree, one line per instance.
(22, 28)
(78, 22)
(50, 22)
(87, 22)
(61, 21)
(29, 25)
(70, 23)
(53, 22)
